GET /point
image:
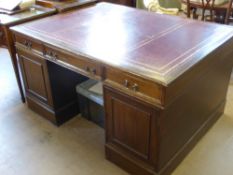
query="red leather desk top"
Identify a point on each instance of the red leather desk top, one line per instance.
(157, 47)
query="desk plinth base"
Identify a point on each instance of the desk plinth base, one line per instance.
(57, 117)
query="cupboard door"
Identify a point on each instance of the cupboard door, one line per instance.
(35, 74)
(130, 126)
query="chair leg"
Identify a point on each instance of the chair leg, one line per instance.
(229, 12)
(195, 16)
(211, 15)
(188, 8)
(188, 12)
(203, 15)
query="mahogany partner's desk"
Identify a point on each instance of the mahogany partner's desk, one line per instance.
(65, 5)
(165, 78)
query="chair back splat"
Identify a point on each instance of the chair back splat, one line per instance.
(211, 10)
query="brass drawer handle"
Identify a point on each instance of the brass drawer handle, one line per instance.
(135, 87)
(126, 83)
(52, 55)
(91, 70)
(87, 69)
(25, 43)
(28, 44)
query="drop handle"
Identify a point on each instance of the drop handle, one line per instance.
(49, 53)
(126, 83)
(25, 43)
(93, 71)
(87, 69)
(54, 56)
(135, 87)
(29, 45)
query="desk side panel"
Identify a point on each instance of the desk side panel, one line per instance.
(195, 108)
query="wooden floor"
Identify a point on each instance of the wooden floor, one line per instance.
(30, 145)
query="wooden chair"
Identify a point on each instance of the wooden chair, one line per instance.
(204, 5)
(218, 13)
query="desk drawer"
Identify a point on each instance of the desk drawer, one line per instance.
(135, 85)
(83, 65)
(29, 43)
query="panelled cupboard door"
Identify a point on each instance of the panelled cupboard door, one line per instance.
(131, 126)
(35, 75)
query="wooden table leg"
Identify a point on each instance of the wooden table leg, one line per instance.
(12, 51)
(228, 13)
